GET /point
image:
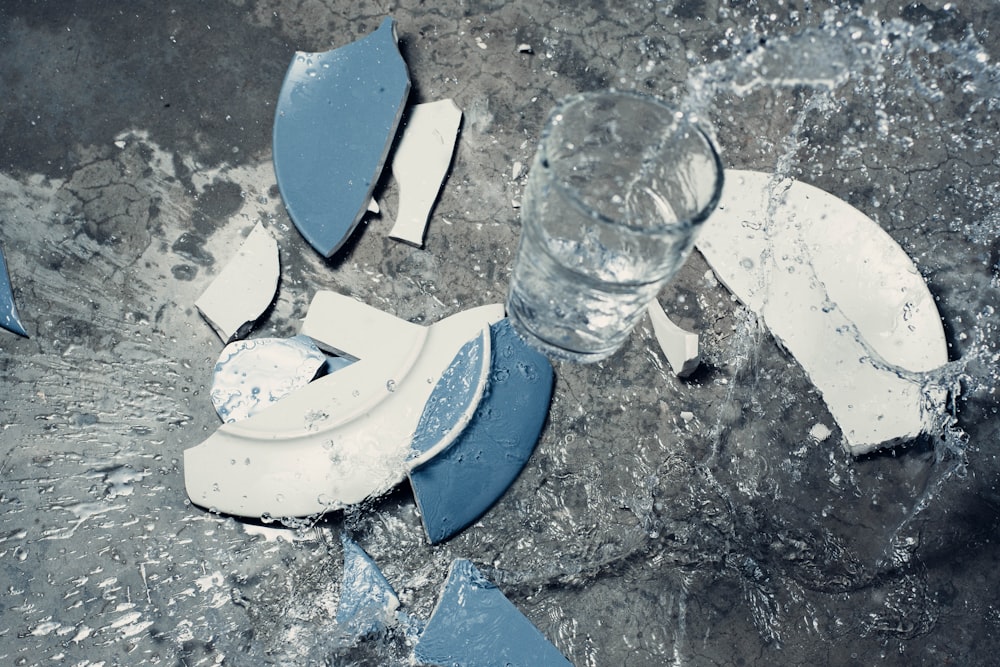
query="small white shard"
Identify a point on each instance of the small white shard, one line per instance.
(840, 295)
(120, 144)
(687, 416)
(373, 207)
(524, 48)
(679, 346)
(420, 164)
(516, 170)
(244, 288)
(820, 432)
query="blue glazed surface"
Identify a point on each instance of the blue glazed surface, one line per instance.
(460, 485)
(9, 319)
(453, 394)
(474, 625)
(367, 601)
(336, 116)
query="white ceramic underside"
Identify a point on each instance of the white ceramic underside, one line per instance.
(839, 294)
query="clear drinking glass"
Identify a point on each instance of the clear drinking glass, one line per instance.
(618, 188)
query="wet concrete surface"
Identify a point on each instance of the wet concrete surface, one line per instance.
(659, 521)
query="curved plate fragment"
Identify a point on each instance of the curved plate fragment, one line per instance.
(474, 625)
(459, 485)
(336, 117)
(368, 602)
(343, 437)
(454, 400)
(244, 288)
(9, 319)
(839, 294)
(251, 375)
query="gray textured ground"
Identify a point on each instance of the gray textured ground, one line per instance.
(135, 155)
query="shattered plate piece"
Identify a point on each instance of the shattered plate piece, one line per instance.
(680, 347)
(244, 288)
(840, 295)
(336, 117)
(251, 375)
(9, 319)
(345, 436)
(461, 483)
(474, 625)
(419, 165)
(368, 602)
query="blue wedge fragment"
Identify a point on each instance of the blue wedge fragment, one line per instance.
(474, 625)
(459, 485)
(9, 319)
(368, 602)
(336, 117)
(453, 397)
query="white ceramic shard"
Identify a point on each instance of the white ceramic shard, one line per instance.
(420, 163)
(679, 346)
(346, 436)
(251, 375)
(244, 288)
(840, 295)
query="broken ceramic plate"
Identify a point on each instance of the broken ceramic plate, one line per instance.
(336, 116)
(9, 319)
(251, 375)
(419, 165)
(461, 483)
(840, 295)
(368, 603)
(244, 289)
(680, 347)
(474, 625)
(346, 436)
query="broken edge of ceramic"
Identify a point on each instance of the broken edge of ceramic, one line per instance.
(336, 117)
(420, 163)
(9, 318)
(344, 437)
(454, 401)
(459, 485)
(680, 347)
(473, 620)
(244, 288)
(840, 295)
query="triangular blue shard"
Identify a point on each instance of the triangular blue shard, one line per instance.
(458, 486)
(454, 395)
(9, 319)
(368, 602)
(474, 625)
(336, 116)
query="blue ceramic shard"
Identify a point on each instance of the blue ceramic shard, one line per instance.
(459, 485)
(336, 117)
(9, 319)
(250, 375)
(474, 625)
(454, 399)
(368, 602)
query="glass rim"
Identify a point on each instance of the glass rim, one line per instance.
(700, 216)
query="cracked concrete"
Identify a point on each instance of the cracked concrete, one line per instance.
(659, 521)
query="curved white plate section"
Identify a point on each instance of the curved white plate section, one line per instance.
(838, 293)
(344, 437)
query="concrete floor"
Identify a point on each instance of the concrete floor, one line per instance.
(135, 156)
